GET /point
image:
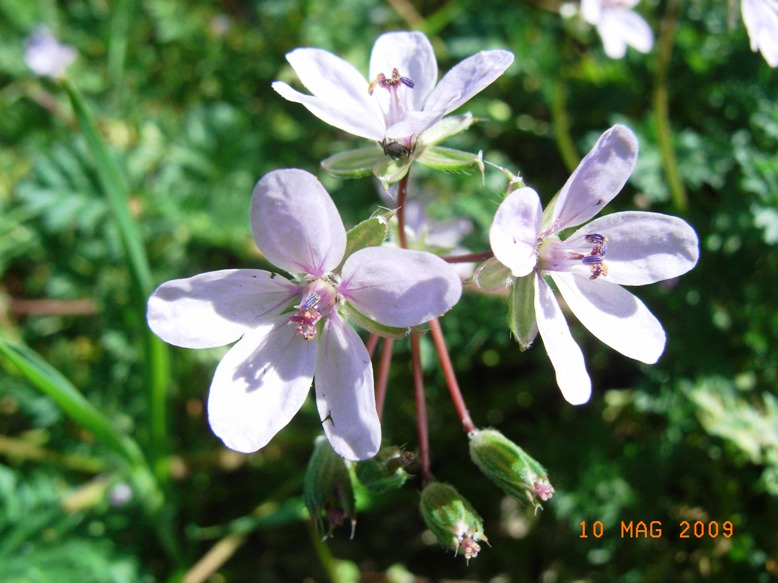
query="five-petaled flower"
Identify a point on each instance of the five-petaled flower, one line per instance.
(618, 26)
(289, 330)
(589, 266)
(401, 99)
(761, 20)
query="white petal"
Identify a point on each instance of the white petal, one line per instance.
(467, 79)
(514, 231)
(259, 385)
(344, 392)
(45, 56)
(216, 308)
(565, 354)
(643, 247)
(761, 20)
(613, 315)
(296, 224)
(412, 125)
(598, 179)
(591, 10)
(619, 28)
(412, 55)
(399, 287)
(340, 95)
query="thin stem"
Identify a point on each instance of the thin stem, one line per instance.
(469, 258)
(382, 378)
(662, 109)
(402, 193)
(372, 342)
(451, 378)
(421, 411)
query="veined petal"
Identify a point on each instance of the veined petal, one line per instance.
(565, 354)
(412, 55)
(761, 20)
(344, 392)
(619, 28)
(296, 224)
(643, 247)
(598, 179)
(613, 315)
(514, 232)
(340, 91)
(399, 287)
(218, 307)
(259, 385)
(467, 79)
(370, 125)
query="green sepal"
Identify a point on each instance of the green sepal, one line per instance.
(449, 159)
(353, 163)
(369, 233)
(327, 489)
(492, 276)
(447, 127)
(384, 472)
(452, 519)
(521, 310)
(356, 317)
(389, 171)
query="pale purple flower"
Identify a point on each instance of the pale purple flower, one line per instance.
(400, 99)
(46, 56)
(289, 330)
(589, 266)
(761, 20)
(618, 26)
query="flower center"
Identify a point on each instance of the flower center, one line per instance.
(316, 303)
(392, 83)
(556, 255)
(394, 109)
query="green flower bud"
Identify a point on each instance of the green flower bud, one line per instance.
(509, 466)
(384, 472)
(327, 488)
(452, 519)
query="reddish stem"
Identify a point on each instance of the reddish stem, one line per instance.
(451, 378)
(421, 411)
(402, 193)
(382, 377)
(470, 258)
(372, 342)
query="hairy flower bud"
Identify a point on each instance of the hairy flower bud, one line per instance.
(327, 488)
(509, 466)
(384, 472)
(452, 519)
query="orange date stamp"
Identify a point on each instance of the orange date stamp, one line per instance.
(698, 529)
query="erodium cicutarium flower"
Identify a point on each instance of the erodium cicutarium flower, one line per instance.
(589, 266)
(401, 98)
(290, 330)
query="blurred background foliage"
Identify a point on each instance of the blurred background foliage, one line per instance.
(181, 94)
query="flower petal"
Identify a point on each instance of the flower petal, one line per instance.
(565, 354)
(259, 385)
(643, 247)
(296, 224)
(467, 79)
(598, 179)
(344, 392)
(399, 287)
(218, 307)
(340, 96)
(761, 20)
(412, 55)
(513, 235)
(619, 28)
(613, 315)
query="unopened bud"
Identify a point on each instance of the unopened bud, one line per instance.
(327, 488)
(452, 519)
(384, 472)
(509, 466)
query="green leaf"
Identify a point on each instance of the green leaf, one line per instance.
(353, 163)
(521, 310)
(358, 318)
(449, 159)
